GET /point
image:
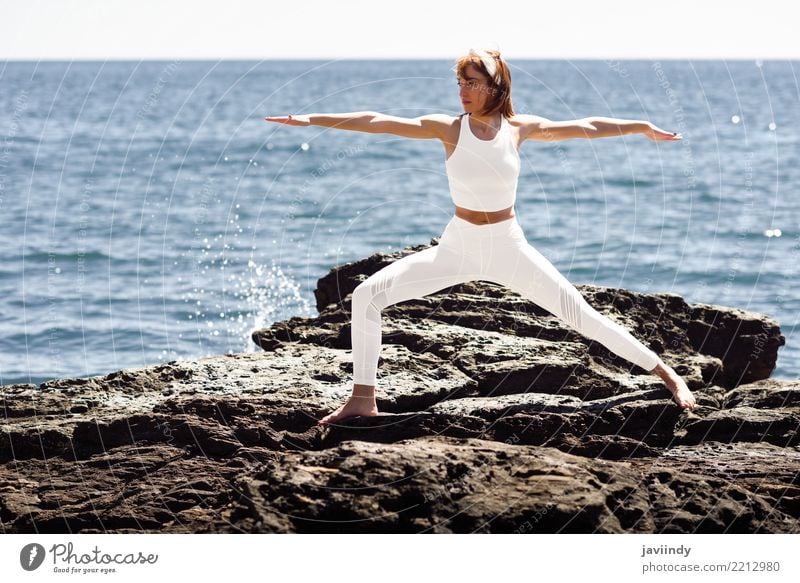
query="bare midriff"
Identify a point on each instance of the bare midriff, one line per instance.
(484, 217)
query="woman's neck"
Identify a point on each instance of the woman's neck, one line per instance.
(487, 120)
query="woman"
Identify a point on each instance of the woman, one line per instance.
(484, 240)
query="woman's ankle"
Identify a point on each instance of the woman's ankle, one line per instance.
(363, 391)
(661, 370)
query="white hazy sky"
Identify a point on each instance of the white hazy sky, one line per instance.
(334, 29)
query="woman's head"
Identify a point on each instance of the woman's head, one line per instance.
(484, 81)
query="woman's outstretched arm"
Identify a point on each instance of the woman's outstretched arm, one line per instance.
(540, 128)
(608, 127)
(423, 127)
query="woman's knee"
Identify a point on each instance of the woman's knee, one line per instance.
(366, 296)
(363, 293)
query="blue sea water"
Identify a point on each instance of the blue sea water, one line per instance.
(149, 213)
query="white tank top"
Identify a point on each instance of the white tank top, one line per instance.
(483, 173)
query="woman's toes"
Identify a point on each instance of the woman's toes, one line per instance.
(330, 418)
(337, 415)
(685, 398)
(327, 419)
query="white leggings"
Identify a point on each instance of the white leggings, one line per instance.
(496, 252)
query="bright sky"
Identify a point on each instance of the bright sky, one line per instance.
(333, 29)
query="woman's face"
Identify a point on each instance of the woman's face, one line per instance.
(473, 89)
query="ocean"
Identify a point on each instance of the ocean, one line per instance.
(149, 213)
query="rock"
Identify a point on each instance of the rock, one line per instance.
(495, 417)
(436, 484)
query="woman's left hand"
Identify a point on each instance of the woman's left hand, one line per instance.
(657, 134)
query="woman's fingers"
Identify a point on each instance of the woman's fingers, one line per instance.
(667, 136)
(658, 134)
(292, 120)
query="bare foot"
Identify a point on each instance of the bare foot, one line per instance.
(355, 406)
(677, 386)
(680, 392)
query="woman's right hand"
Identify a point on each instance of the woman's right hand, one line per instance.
(291, 120)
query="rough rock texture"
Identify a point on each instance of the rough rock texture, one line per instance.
(495, 417)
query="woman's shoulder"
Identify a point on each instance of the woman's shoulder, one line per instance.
(444, 118)
(443, 122)
(521, 119)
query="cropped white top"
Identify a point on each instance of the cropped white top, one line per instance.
(482, 174)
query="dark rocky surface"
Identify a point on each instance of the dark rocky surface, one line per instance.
(495, 417)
